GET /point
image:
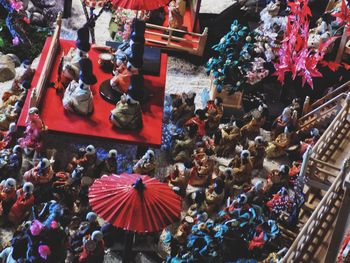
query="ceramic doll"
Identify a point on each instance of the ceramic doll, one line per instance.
(86, 228)
(214, 111)
(278, 147)
(319, 34)
(251, 129)
(10, 162)
(196, 210)
(88, 161)
(280, 203)
(178, 178)
(199, 120)
(183, 144)
(243, 173)
(183, 107)
(277, 179)
(127, 114)
(226, 174)
(71, 67)
(214, 195)
(93, 248)
(226, 140)
(78, 96)
(23, 205)
(9, 137)
(200, 172)
(310, 141)
(109, 165)
(10, 114)
(40, 174)
(177, 9)
(146, 165)
(122, 76)
(257, 152)
(284, 120)
(17, 93)
(34, 132)
(8, 195)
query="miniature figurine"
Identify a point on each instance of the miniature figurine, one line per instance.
(277, 179)
(93, 248)
(184, 230)
(8, 138)
(88, 161)
(178, 178)
(109, 165)
(280, 203)
(177, 9)
(296, 152)
(183, 144)
(243, 173)
(78, 96)
(284, 120)
(71, 67)
(257, 151)
(214, 111)
(122, 77)
(277, 148)
(10, 114)
(8, 195)
(127, 114)
(199, 120)
(23, 205)
(252, 129)
(226, 174)
(34, 133)
(41, 176)
(214, 195)
(17, 93)
(226, 140)
(319, 34)
(201, 171)
(146, 165)
(183, 108)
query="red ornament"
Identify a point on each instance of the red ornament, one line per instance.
(125, 202)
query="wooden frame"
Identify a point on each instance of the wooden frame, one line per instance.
(195, 6)
(173, 42)
(39, 90)
(323, 177)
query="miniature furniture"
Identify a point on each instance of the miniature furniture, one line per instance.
(97, 125)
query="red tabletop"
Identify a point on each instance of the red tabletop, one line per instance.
(98, 125)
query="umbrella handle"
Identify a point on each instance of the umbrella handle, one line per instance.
(128, 243)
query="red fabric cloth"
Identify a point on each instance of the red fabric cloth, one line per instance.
(140, 4)
(98, 125)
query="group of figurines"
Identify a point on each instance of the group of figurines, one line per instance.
(77, 77)
(232, 199)
(49, 207)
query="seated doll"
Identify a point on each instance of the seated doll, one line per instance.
(78, 96)
(319, 34)
(23, 204)
(8, 138)
(109, 165)
(177, 9)
(127, 114)
(277, 179)
(93, 248)
(88, 161)
(199, 120)
(8, 195)
(214, 111)
(257, 152)
(281, 122)
(178, 178)
(183, 108)
(183, 144)
(71, 65)
(146, 165)
(226, 174)
(278, 147)
(10, 114)
(214, 195)
(226, 140)
(243, 173)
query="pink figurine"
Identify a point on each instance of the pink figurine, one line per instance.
(33, 135)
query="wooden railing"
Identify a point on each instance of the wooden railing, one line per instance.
(168, 40)
(327, 110)
(316, 161)
(39, 89)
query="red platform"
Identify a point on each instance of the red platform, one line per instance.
(98, 125)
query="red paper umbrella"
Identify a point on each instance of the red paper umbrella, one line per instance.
(135, 202)
(140, 4)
